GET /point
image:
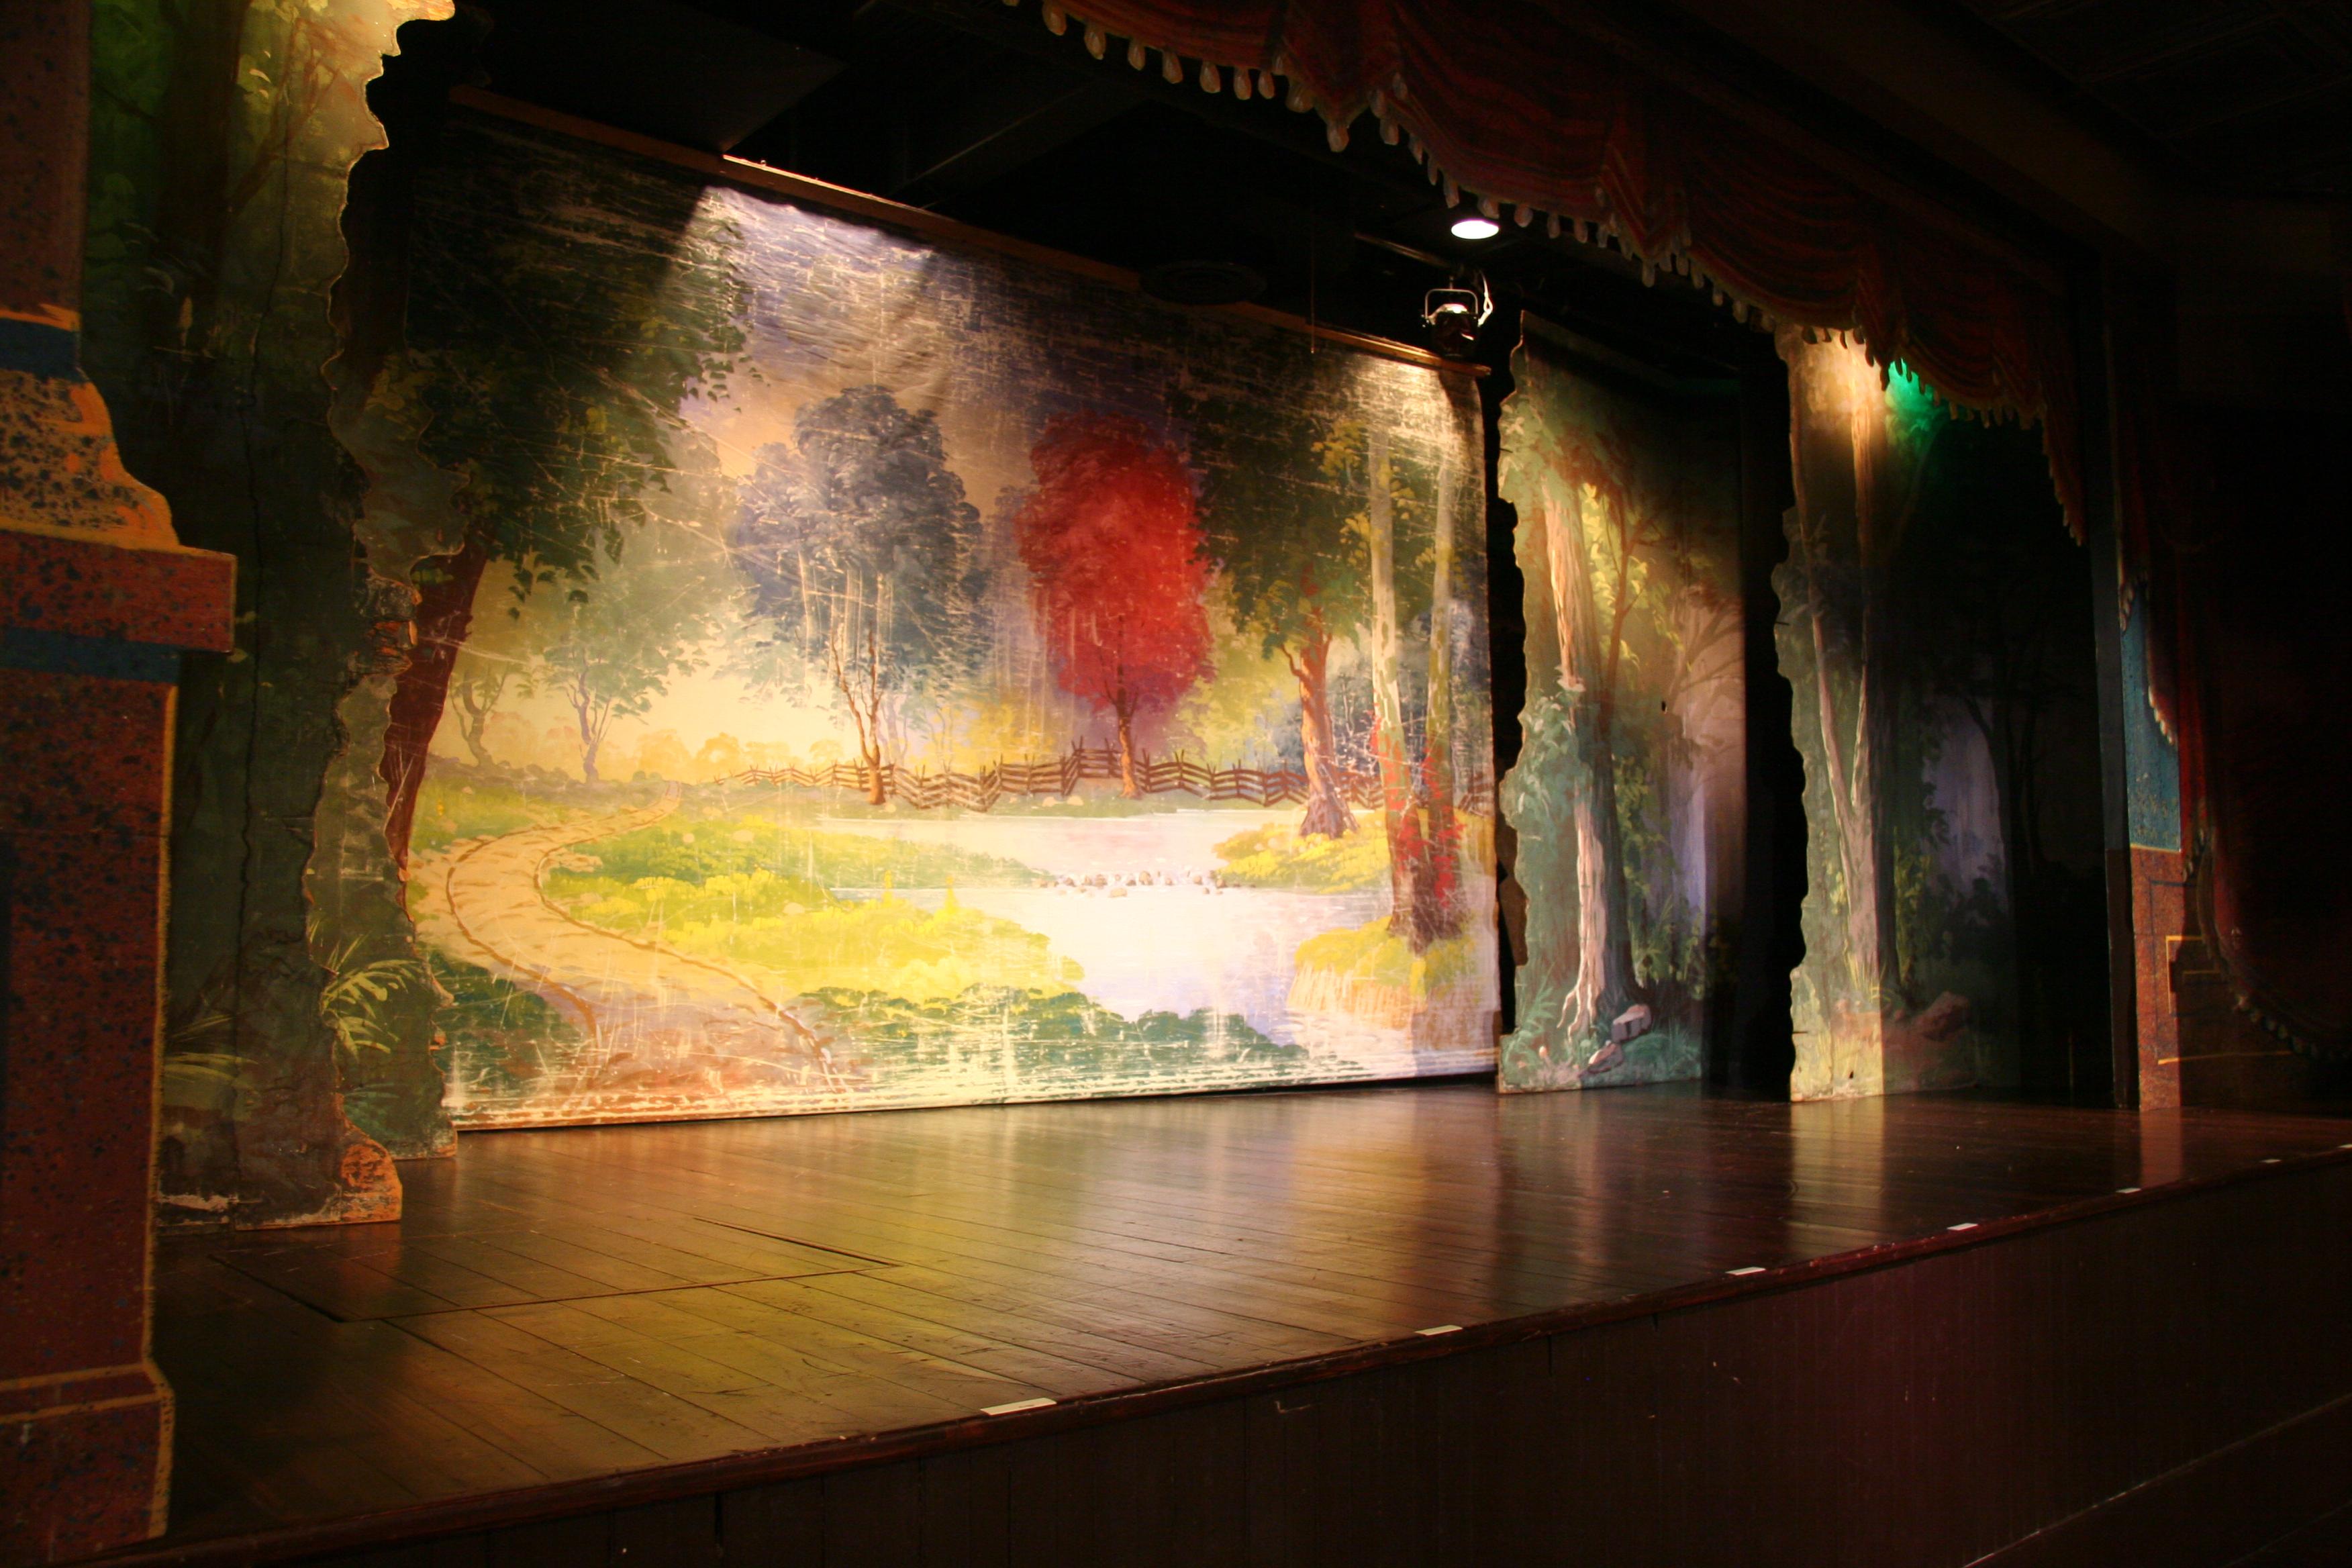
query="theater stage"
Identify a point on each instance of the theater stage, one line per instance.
(725, 1338)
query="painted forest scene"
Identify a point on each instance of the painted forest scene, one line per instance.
(1628, 797)
(851, 671)
(1931, 634)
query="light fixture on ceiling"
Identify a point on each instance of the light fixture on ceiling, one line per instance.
(1472, 226)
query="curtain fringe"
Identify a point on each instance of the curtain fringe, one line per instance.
(1260, 80)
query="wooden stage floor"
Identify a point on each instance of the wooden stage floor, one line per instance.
(569, 1304)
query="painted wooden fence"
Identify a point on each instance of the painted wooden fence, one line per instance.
(928, 789)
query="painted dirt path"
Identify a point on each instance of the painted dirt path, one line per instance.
(664, 1030)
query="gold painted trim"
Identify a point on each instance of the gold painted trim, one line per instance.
(56, 316)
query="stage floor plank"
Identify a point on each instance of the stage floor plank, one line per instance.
(560, 1305)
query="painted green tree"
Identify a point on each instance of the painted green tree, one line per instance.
(642, 613)
(555, 332)
(1627, 536)
(861, 551)
(1865, 450)
(1268, 509)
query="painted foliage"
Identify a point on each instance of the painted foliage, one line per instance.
(1628, 798)
(1933, 633)
(856, 672)
(222, 131)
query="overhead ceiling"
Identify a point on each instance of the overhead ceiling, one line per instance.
(979, 112)
(2255, 96)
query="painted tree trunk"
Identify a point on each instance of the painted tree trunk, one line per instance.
(1128, 787)
(1440, 888)
(1874, 723)
(1408, 855)
(444, 613)
(1328, 815)
(473, 717)
(475, 702)
(863, 698)
(1848, 789)
(591, 741)
(869, 749)
(1604, 962)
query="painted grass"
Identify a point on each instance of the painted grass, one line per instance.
(503, 1037)
(810, 941)
(1358, 862)
(706, 847)
(1066, 1041)
(450, 810)
(1279, 857)
(1371, 953)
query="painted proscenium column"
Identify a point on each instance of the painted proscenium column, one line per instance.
(96, 599)
(2147, 869)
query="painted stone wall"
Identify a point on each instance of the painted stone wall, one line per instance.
(1934, 630)
(853, 672)
(1629, 796)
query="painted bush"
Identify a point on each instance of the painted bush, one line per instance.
(851, 671)
(1628, 798)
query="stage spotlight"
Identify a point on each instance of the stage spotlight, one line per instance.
(1476, 227)
(1453, 315)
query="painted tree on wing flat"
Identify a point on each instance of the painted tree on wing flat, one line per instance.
(1627, 793)
(859, 547)
(1112, 536)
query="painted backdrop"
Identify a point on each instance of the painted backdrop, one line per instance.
(862, 673)
(1628, 796)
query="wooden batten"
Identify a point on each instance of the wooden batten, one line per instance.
(915, 220)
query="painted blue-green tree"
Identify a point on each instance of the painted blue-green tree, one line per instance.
(861, 553)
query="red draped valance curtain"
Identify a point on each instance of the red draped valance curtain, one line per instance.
(1540, 117)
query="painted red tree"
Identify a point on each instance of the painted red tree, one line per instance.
(1112, 538)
